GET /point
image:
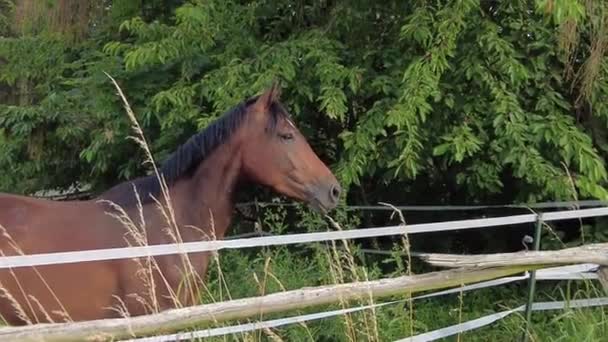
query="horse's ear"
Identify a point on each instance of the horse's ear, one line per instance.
(263, 103)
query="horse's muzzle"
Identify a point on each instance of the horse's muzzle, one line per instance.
(325, 196)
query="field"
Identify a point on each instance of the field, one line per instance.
(244, 273)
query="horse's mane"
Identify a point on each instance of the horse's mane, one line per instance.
(184, 160)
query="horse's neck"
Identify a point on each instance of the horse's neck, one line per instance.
(205, 201)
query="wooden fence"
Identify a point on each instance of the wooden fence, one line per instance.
(471, 269)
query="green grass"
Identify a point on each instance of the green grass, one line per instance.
(259, 271)
(254, 272)
(250, 273)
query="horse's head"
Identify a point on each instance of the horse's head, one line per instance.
(276, 154)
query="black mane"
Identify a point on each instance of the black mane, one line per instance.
(187, 157)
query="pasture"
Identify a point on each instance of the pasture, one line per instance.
(303, 170)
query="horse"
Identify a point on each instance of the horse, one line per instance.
(190, 198)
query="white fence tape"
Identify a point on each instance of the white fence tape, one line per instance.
(489, 319)
(462, 327)
(540, 205)
(203, 246)
(573, 272)
(574, 214)
(568, 269)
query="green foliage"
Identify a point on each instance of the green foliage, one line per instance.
(561, 10)
(463, 94)
(6, 9)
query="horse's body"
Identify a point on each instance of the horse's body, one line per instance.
(256, 145)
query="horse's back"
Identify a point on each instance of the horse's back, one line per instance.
(31, 226)
(57, 226)
(15, 209)
(85, 290)
(18, 216)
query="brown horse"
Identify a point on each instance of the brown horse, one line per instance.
(254, 142)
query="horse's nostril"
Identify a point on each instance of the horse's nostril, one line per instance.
(335, 192)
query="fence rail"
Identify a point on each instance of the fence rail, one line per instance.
(574, 272)
(125, 328)
(177, 319)
(214, 245)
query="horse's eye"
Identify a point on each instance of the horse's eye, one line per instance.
(286, 136)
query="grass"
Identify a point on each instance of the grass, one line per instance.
(299, 268)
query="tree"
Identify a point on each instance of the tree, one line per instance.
(445, 101)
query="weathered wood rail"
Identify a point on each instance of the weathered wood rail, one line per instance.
(471, 269)
(593, 253)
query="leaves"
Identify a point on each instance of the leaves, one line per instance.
(453, 97)
(460, 143)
